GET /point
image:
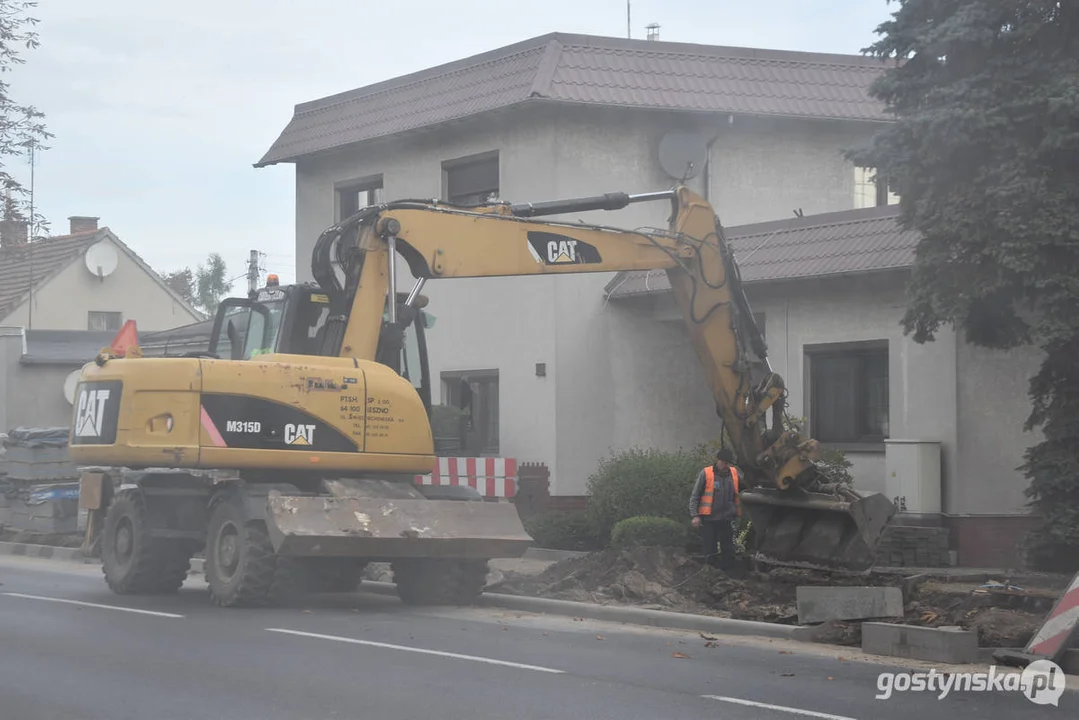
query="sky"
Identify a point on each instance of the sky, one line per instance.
(160, 110)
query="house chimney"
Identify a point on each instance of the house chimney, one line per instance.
(653, 31)
(82, 223)
(14, 233)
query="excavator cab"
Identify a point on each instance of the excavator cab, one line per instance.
(291, 320)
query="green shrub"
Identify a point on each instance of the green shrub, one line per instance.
(643, 483)
(650, 531)
(563, 531)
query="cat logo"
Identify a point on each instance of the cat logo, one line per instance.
(554, 249)
(90, 415)
(299, 434)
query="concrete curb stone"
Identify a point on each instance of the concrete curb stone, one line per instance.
(613, 613)
(68, 554)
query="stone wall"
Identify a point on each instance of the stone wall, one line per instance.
(914, 546)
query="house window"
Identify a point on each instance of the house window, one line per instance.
(476, 393)
(357, 194)
(472, 180)
(848, 393)
(104, 321)
(868, 193)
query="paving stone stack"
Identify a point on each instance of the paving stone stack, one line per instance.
(914, 546)
(39, 485)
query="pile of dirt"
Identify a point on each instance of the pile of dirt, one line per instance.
(671, 579)
(1002, 618)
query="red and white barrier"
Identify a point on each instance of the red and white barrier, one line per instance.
(491, 477)
(1061, 628)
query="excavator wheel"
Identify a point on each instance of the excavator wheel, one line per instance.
(133, 562)
(438, 581)
(241, 568)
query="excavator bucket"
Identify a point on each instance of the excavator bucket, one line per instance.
(816, 530)
(383, 529)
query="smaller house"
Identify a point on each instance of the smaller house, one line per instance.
(85, 280)
(62, 299)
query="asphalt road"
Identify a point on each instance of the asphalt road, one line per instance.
(70, 649)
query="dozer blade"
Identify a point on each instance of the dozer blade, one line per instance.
(387, 528)
(816, 530)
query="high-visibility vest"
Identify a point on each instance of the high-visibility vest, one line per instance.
(705, 507)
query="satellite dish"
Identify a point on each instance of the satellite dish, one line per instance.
(682, 155)
(69, 386)
(101, 259)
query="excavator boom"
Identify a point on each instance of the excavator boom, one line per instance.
(799, 516)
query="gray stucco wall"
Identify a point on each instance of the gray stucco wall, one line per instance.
(30, 396)
(766, 168)
(993, 404)
(575, 415)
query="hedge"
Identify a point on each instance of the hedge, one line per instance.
(650, 531)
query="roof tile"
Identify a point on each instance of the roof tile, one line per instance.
(562, 67)
(819, 245)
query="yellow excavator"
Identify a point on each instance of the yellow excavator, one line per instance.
(288, 450)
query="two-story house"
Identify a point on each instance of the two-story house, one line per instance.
(62, 299)
(566, 369)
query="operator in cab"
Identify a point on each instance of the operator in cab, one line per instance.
(715, 507)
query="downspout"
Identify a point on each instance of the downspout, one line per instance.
(707, 194)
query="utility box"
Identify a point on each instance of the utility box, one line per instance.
(913, 476)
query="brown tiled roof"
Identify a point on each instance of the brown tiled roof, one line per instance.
(836, 243)
(21, 265)
(50, 256)
(568, 68)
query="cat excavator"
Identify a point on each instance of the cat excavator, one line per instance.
(287, 451)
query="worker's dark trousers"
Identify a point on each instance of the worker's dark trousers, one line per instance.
(718, 533)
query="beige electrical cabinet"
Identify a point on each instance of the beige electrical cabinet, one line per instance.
(913, 476)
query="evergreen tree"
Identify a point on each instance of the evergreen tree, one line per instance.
(984, 154)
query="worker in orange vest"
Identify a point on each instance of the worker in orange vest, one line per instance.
(715, 506)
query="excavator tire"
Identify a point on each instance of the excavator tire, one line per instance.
(438, 581)
(133, 562)
(241, 567)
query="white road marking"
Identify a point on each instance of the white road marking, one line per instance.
(424, 651)
(781, 708)
(95, 605)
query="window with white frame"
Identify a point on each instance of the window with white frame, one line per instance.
(100, 321)
(868, 192)
(353, 195)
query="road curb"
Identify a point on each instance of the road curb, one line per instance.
(631, 615)
(51, 552)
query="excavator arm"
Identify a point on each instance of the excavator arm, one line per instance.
(799, 516)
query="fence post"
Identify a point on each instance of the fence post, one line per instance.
(533, 489)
